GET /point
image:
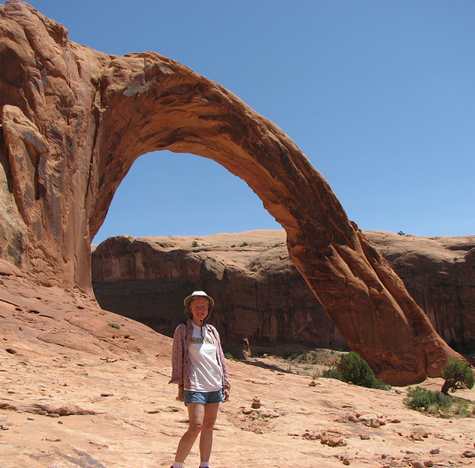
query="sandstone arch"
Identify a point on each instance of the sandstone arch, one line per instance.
(74, 120)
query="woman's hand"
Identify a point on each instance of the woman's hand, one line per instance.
(180, 395)
(226, 394)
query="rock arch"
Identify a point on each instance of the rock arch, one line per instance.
(73, 122)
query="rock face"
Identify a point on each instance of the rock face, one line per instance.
(73, 122)
(261, 296)
(439, 273)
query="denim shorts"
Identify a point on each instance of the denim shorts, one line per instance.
(190, 396)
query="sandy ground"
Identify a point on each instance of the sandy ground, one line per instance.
(83, 387)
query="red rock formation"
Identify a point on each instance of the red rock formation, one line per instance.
(74, 120)
(439, 273)
(259, 293)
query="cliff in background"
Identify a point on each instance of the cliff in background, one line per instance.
(259, 293)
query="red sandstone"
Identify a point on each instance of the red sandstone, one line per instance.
(73, 122)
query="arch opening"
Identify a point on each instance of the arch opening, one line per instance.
(144, 275)
(165, 193)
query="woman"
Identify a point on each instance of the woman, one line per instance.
(199, 369)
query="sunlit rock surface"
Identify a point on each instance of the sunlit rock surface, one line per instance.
(261, 296)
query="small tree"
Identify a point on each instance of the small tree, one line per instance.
(457, 375)
(352, 368)
(355, 369)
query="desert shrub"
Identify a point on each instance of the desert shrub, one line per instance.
(332, 373)
(464, 411)
(194, 243)
(355, 369)
(439, 404)
(352, 368)
(457, 374)
(422, 399)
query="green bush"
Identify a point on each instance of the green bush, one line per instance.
(332, 373)
(356, 370)
(439, 404)
(352, 368)
(422, 399)
(457, 374)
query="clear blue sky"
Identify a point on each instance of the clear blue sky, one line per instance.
(379, 94)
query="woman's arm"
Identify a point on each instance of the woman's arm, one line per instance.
(177, 356)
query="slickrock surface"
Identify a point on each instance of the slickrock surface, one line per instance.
(84, 387)
(73, 120)
(259, 293)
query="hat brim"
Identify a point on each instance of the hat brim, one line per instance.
(188, 299)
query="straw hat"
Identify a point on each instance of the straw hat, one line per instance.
(194, 295)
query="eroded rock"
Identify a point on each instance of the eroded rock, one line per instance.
(261, 297)
(97, 113)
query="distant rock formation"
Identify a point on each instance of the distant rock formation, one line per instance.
(73, 120)
(439, 272)
(262, 297)
(259, 293)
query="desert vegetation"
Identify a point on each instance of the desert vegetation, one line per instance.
(458, 375)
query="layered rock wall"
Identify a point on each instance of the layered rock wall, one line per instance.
(261, 296)
(439, 272)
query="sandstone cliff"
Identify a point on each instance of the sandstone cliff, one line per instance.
(439, 272)
(261, 296)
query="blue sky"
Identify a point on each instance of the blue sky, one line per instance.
(380, 95)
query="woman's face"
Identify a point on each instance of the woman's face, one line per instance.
(199, 309)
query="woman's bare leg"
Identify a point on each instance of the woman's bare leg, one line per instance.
(206, 437)
(196, 413)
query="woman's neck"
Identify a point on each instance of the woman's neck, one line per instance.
(198, 324)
